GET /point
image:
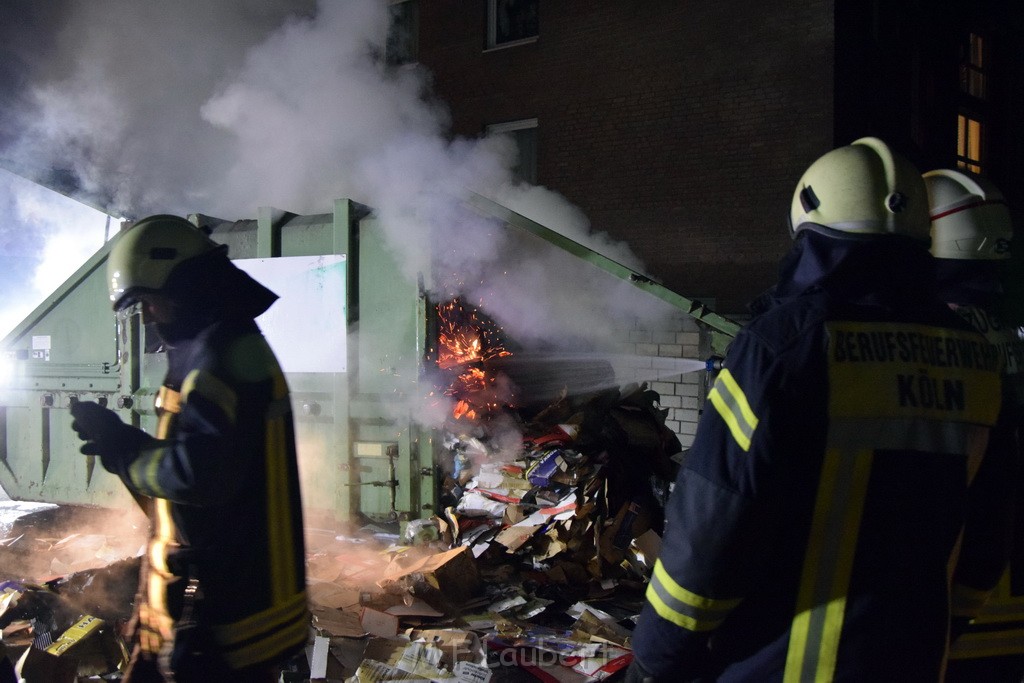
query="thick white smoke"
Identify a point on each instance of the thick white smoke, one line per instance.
(310, 104)
(117, 97)
(220, 108)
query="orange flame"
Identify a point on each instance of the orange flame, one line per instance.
(462, 409)
(464, 339)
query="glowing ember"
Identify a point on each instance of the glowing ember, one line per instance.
(463, 337)
(466, 342)
(462, 409)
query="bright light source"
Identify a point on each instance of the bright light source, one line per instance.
(8, 365)
(46, 238)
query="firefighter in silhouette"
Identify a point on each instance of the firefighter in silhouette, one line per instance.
(811, 528)
(222, 592)
(971, 236)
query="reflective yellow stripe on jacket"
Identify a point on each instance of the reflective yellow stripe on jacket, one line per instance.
(144, 470)
(894, 387)
(213, 389)
(731, 403)
(821, 603)
(988, 644)
(156, 624)
(278, 503)
(268, 632)
(999, 623)
(286, 621)
(683, 607)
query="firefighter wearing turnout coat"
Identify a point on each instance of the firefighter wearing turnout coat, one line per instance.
(223, 591)
(971, 236)
(813, 526)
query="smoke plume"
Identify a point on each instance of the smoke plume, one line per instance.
(219, 108)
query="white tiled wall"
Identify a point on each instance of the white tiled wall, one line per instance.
(682, 394)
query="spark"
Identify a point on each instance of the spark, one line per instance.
(466, 343)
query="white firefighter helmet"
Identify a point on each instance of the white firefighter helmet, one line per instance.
(862, 189)
(143, 256)
(970, 218)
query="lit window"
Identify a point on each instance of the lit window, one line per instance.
(403, 32)
(969, 143)
(972, 67)
(511, 22)
(524, 134)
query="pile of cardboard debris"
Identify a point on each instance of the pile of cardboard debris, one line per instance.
(533, 570)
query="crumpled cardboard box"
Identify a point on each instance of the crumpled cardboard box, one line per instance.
(445, 581)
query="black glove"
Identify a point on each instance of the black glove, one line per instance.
(106, 435)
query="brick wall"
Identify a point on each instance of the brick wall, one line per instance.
(657, 352)
(679, 128)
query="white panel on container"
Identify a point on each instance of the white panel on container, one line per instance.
(306, 327)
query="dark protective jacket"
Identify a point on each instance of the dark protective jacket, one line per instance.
(224, 485)
(997, 631)
(813, 526)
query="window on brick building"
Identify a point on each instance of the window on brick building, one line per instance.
(969, 143)
(971, 120)
(402, 45)
(524, 135)
(512, 22)
(972, 67)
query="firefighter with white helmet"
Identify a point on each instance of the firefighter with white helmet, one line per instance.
(219, 477)
(810, 530)
(970, 220)
(144, 257)
(971, 237)
(861, 190)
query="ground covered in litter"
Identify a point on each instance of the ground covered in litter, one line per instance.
(534, 567)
